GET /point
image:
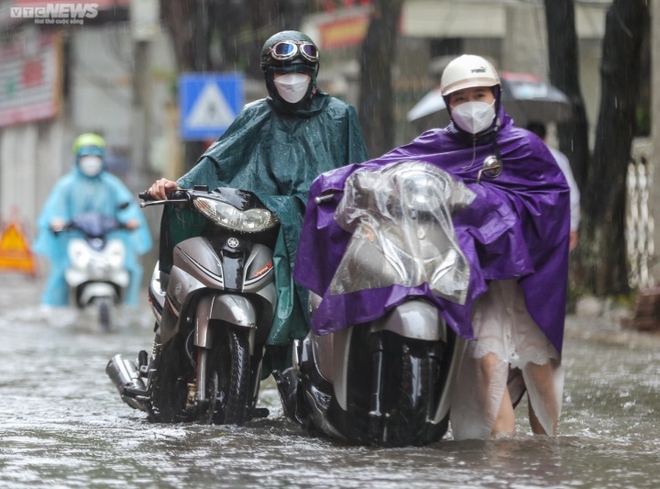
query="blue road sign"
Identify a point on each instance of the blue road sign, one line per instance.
(208, 104)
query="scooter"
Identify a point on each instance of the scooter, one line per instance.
(213, 313)
(97, 276)
(387, 381)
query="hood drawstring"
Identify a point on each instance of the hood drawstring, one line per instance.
(474, 153)
(493, 135)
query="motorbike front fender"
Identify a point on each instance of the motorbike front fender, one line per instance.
(414, 319)
(95, 290)
(230, 308)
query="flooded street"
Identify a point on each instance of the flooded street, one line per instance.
(62, 424)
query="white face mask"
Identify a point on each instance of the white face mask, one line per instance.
(292, 87)
(90, 165)
(474, 117)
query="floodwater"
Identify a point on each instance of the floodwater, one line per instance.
(62, 424)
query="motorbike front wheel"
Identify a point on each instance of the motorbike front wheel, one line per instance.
(105, 313)
(408, 387)
(416, 398)
(230, 360)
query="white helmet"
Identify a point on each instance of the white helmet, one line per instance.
(468, 71)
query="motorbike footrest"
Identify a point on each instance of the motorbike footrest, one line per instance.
(260, 412)
(135, 393)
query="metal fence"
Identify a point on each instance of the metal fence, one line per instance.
(639, 217)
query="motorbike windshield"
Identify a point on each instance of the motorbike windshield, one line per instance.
(94, 224)
(402, 231)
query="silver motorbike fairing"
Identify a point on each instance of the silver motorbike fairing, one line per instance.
(197, 266)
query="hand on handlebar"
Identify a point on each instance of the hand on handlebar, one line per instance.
(132, 224)
(162, 188)
(57, 225)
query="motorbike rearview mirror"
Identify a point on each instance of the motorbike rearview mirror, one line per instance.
(492, 168)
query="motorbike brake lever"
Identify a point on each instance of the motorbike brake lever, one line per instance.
(162, 202)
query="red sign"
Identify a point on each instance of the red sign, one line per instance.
(344, 32)
(30, 74)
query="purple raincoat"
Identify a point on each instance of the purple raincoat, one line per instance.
(517, 227)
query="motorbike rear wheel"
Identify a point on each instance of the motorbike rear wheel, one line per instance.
(230, 360)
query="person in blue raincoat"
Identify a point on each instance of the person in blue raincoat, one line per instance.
(275, 148)
(89, 188)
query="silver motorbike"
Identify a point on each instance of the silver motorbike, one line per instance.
(387, 381)
(213, 312)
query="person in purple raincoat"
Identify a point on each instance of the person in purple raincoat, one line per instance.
(515, 236)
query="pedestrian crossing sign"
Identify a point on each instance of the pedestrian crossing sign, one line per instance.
(208, 104)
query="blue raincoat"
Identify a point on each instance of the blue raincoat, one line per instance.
(74, 194)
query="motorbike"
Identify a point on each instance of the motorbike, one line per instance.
(213, 313)
(96, 277)
(387, 381)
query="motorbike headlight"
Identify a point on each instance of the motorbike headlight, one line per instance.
(115, 253)
(422, 193)
(249, 221)
(79, 254)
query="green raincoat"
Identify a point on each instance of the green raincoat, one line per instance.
(277, 155)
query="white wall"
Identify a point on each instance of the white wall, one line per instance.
(30, 160)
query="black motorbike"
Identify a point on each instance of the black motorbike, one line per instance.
(213, 311)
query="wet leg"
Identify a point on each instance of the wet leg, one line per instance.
(543, 378)
(505, 421)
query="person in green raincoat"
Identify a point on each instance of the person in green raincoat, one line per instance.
(275, 148)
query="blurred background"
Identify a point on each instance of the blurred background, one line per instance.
(160, 79)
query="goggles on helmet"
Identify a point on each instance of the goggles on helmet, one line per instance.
(285, 50)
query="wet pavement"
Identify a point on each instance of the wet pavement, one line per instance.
(64, 426)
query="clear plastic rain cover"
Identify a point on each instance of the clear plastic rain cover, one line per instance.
(402, 232)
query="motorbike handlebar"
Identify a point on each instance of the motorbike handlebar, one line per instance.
(178, 195)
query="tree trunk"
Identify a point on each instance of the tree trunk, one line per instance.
(376, 105)
(564, 74)
(604, 200)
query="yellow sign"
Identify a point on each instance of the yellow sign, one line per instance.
(15, 253)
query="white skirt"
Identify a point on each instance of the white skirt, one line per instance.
(504, 327)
